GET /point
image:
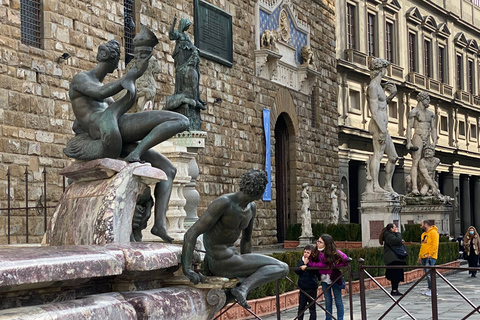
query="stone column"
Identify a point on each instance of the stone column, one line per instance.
(194, 141)
(448, 187)
(476, 200)
(465, 216)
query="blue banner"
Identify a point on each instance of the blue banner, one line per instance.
(267, 196)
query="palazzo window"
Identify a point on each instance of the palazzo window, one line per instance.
(441, 64)
(371, 34)
(470, 76)
(473, 131)
(427, 58)
(461, 128)
(459, 73)
(351, 26)
(412, 52)
(443, 123)
(31, 22)
(389, 41)
(129, 28)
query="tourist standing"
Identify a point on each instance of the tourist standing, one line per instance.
(428, 250)
(308, 282)
(389, 238)
(325, 255)
(471, 242)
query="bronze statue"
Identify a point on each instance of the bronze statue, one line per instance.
(221, 224)
(104, 129)
(186, 99)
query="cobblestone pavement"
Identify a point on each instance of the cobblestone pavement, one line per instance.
(451, 306)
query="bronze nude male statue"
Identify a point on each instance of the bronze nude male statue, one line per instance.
(221, 225)
(104, 129)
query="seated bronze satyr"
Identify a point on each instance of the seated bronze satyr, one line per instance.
(103, 129)
(221, 225)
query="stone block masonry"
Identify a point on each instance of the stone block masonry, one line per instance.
(36, 117)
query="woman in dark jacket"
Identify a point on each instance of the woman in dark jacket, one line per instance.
(390, 237)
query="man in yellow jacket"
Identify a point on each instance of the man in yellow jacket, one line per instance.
(428, 249)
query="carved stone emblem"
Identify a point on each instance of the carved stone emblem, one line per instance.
(284, 26)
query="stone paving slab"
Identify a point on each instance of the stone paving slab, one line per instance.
(451, 306)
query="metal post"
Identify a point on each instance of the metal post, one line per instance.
(8, 204)
(433, 282)
(350, 293)
(26, 203)
(45, 199)
(361, 281)
(277, 297)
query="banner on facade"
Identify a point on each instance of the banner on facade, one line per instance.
(267, 196)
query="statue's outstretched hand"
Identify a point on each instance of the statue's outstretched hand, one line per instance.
(194, 276)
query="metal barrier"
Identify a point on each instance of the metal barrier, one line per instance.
(432, 271)
(277, 289)
(41, 205)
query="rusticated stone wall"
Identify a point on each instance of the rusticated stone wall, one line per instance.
(36, 117)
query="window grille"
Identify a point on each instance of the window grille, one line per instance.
(129, 28)
(31, 22)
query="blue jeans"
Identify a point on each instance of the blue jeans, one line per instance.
(429, 262)
(337, 293)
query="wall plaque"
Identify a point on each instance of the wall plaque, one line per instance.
(213, 33)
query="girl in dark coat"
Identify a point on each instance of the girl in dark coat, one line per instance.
(390, 237)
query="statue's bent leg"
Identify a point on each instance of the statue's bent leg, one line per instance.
(162, 192)
(255, 268)
(150, 128)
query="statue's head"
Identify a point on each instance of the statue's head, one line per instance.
(253, 183)
(429, 151)
(109, 52)
(184, 24)
(424, 98)
(194, 59)
(377, 66)
(307, 54)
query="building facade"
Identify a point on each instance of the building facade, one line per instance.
(44, 43)
(433, 47)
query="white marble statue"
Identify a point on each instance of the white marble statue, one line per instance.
(334, 197)
(343, 204)
(305, 215)
(382, 142)
(269, 39)
(422, 121)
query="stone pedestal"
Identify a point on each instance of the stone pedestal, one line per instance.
(377, 210)
(181, 151)
(304, 241)
(98, 207)
(416, 209)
